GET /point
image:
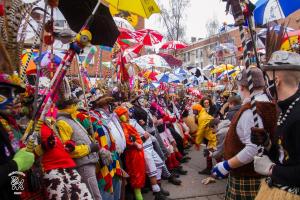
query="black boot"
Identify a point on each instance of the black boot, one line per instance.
(163, 191)
(206, 171)
(181, 171)
(159, 196)
(185, 159)
(172, 179)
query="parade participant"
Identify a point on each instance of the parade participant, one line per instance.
(13, 157)
(134, 153)
(172, 161)
(204, 130)
(210, 108)
(282, 162)
(234, 104)
(82, 147)
(149, 122)
(236, 10)
(243, 182)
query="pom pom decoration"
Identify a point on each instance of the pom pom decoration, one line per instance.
(53, 3)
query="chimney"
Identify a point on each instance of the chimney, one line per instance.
(193, 39)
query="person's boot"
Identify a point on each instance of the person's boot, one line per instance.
(206, 171)
(239, 21)
(163, 191)
(175, 181)
(159, 196)
(185, 159)
(181, 171)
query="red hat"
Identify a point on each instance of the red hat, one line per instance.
(120, 111)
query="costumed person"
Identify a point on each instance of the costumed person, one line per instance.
(60, 178)
(204, 120)
(104, 105)
(110, 173)
(149, 122)
(82, 146)
(134, 153)
(210, 108)
(282, 162)
(243, 182)
(172, 162)
(152, 160)
(14, 156)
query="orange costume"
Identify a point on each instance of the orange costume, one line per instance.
(134, 158)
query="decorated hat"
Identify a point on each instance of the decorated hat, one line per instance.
(197, 107)
(283, 60)
(120, 111)
(65, 96)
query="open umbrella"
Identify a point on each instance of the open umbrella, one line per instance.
(143, 8)
(291, 41)
(167, 78)
(174, 45)
(123, 23)
(171, 60)
(132, 52)
(103, 28)
(271, 10)
(151, 60)
(149, 37)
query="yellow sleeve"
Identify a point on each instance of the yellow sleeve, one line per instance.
(66, 131)
(200, 131)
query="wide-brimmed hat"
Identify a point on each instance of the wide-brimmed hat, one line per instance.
(65, 96)
(12, 81)
(101, 100)
(283, 60)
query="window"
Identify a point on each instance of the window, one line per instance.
(189, 56)
(197, 53)
(184, 57)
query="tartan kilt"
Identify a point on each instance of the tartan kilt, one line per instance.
(242, 188)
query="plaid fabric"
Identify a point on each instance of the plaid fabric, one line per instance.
(242, 188)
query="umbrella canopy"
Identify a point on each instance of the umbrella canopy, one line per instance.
(270, 10)
(291, 41)
(144, 8)
(181, 72)
(151, 60)
(150, 75)
(149, 37)
(103, 28)
(132, 52)
(123, 23)
(174, 45)
(222, 68)
(167, 78)
(171, 60)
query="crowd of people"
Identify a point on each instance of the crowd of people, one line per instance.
(111, 145)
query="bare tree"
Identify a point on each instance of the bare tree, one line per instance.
(173, 16)
(212, 26)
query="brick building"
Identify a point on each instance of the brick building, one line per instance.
(200, 53)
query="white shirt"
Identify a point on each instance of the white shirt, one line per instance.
(243, 130)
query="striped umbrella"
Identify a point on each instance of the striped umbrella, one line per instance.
(174, 45)
(148, 37)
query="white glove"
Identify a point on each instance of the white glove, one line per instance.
(106, 157)
(263, 165)
(221, 170)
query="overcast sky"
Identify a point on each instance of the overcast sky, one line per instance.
(197, 15)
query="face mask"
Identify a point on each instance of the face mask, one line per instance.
(4, 102)
(123, 118)
(141, 101)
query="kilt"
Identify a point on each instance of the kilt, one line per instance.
(242, 188)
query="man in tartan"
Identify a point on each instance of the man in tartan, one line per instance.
(243, 182)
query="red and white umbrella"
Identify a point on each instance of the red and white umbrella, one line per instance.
(132, 52)
(174, 45)
(148, 37)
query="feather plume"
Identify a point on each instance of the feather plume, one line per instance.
(274, 40)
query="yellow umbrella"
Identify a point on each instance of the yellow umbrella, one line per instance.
(222, 68)
(144, 8)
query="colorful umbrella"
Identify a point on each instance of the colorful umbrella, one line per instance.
(222, 68)
(143, 8)
(132, 52)
(149, 37)
(151, 60)
(167, 78)
(150, 75)
(174, 45)
(171, 60)
(270, 10)
(291, 41)
(123, 23)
